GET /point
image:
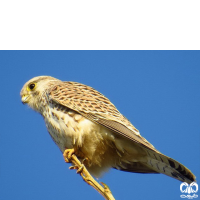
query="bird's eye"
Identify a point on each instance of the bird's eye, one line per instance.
(31, 86)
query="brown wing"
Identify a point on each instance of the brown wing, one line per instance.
(97, 108)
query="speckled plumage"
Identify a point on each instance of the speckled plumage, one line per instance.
(77, 116)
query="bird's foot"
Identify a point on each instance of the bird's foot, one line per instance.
(106, 188)
(79, 168)
(68, 154)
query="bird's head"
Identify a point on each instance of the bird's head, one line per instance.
(33, 90)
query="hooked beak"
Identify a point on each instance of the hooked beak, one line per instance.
(25, 98)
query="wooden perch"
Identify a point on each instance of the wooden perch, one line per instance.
(104, 190)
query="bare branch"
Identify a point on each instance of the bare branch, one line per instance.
(81, 169)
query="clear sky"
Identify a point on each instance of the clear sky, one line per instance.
(158, 91)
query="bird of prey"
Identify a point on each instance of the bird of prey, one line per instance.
(80, 118)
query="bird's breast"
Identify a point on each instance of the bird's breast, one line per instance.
(64, 128)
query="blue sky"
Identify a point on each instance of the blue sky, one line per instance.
(158, 91)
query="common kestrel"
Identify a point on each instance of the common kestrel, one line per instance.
(79, 117)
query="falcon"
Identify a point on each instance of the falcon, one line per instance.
(81, 119)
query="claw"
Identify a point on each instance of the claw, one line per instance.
(73, 167)
(85, 160)
(105, 186)
(68, 154)
(80, 169)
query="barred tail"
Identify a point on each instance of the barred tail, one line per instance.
(165, 165)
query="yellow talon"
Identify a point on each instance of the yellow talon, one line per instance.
(80, 169)
(68, 154)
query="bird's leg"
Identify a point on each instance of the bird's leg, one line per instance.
(70, 156)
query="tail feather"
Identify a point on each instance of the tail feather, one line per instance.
(166, 165)
(158, 163)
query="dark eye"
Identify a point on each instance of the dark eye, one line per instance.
(32, 86)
